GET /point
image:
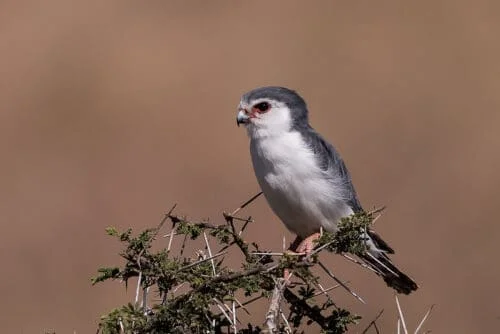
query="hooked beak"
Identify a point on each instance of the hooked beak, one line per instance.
(242, 117)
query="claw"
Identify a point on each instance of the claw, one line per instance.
(300, 247)
(307, 245)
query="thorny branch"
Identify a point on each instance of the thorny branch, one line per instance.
(273, 313)
(200, 295)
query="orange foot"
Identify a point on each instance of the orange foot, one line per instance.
(301, 247)
(307, 245)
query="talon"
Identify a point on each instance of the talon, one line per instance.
(307, 245)
(300, 247)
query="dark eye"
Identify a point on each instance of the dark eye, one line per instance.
(263, 106)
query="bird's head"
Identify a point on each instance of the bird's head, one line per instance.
(269, 111)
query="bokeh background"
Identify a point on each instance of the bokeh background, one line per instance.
(113, 111)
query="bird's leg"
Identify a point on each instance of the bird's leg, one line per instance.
(306, 246)
(292, 250)
(301, 247)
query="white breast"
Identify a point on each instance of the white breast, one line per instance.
(302, 195)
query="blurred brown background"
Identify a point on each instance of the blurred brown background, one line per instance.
(111, 112)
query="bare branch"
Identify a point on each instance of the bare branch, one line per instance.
(223, 311)
(201, 261)
(139, 281)
(242, 206)
(272, 316)
(172, 233)
(424, 318)
(373, 323)
(162, 222)
(340, 282)
(209, 253)
(401, 316)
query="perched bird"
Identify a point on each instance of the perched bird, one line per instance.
(303, 178)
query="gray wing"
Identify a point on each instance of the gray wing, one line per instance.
(331, 162)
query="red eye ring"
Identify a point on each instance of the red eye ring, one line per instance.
(262, 107)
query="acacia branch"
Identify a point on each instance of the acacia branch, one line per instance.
(273, 313)
(313, 313)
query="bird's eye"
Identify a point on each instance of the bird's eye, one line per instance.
(262, 107)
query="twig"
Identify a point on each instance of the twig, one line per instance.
(232, 312)
(176, 219)
(183, 246)
(242, 206)
(172, 233)
(424, 318)
(272, 316)
(267, 253)
(241, 305)
(201, 261)
(210, 253)
(377, 210)
(145, 292)
(162, 222)
(317, 250)
(374, 220)
(364, 265)
(401, 317)
(139, 278)
(251, 301)
(327, 290)
(223, 304)
(238, 240)
(323, 291)
(223, 311)
(340, 282)
(178, 287)
(248, 220)
(226, 247)
(373, 323)
(288, 329)
(235, 329)
(168, 235)
(211, 321)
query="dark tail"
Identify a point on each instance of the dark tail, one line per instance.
(377, 259)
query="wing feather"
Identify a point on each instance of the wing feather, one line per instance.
(332, 163)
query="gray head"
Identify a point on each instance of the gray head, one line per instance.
(272, 110)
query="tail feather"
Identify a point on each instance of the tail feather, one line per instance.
(379, 242)
(389, 272)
